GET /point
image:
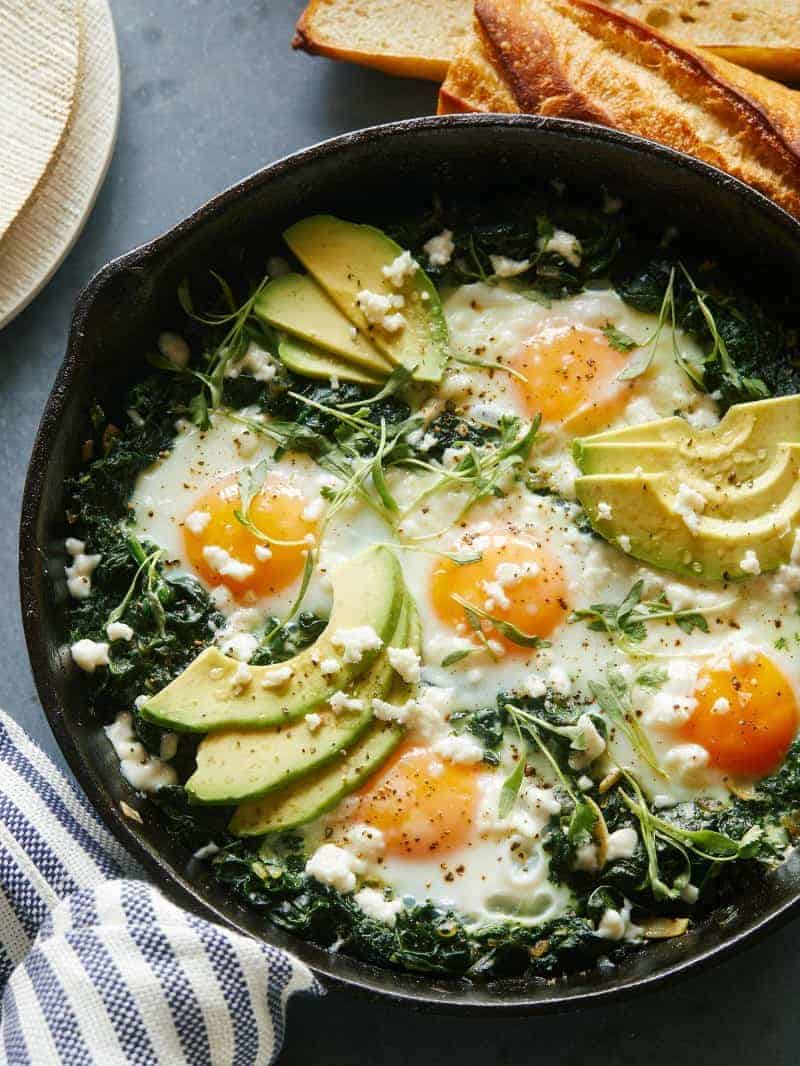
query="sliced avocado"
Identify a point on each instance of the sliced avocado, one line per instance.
(644, 509)
(296, 304)
(313, 362)
(346, 258)
(321, 790)
(207, 697)
(236, 766)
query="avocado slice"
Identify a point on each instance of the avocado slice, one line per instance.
(297, 305)
(346, 258)
(644, 509)
(236, 766)
(313, 362)
(205, 696)
(321, 790)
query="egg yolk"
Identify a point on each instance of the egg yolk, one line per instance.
(746, 717)
(571, 376)
(223, 551)
(421, 803)
(514, 581)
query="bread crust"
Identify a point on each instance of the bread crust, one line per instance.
(693, 101)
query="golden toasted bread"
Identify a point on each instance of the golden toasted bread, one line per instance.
(578, 59)
(763, 35)
(415, 38)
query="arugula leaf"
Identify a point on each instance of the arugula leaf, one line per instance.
(510, 789)
(618, 340)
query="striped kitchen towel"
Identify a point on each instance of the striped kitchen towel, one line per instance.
(97, 966)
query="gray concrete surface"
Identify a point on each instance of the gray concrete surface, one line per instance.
(211, 91)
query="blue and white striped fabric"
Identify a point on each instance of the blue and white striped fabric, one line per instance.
(97, 966)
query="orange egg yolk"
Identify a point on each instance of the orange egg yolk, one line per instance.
(571, 376)
(514, 581)
(746, 717)
(223, 551)
(421, 803)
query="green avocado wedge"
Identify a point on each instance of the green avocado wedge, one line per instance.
(297, 305)
(312, 362)
(346, 258)
(211, 694)
(321, 790)
(236, 766)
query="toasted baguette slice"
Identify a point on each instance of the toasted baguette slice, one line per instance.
(763, 35)
(415, 38)
(578, 59)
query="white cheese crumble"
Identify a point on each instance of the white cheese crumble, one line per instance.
(687, 762)
(197, 521)
(564, 244)
(426, 713)
(241, 678)
(329, 667)
(382, 311)
(340, 701)
(604, 510)
(355, 642)
(277, 678)
(400, 269)
(503, 267)
(241, 646)
(459, 748)
(559, 680)
(174, 348)
(624, 542)
(535, 686)
(720, 706)
(89, 654)
(621, 843)
(749, 563)
(689, 505)
(312, 511)
(335, 866)
(263, 553)
(439, 250)
(224, 564)
(313, 721)
(79, 573)
(375, 905)
(260, 364)
(119, 631)
(142, 771)
(595, 745)
(406, 662)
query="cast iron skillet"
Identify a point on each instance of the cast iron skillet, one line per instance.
(129, 301)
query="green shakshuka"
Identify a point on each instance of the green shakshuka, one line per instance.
(441, 587)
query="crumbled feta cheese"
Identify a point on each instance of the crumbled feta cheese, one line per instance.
(382, 311)
(749, 563)
(375, 905)
(426, 713)
(564, 244)
(263, 553)
(241, 678)
(312, 511)
(221, 597)
(329, 666)
(340, 701)
(503, 267)
(604, 510)
(690, 504)
(675, 701)
(224, 564)
(313, 721)
(79, 573)
(277, 678)
(621, 843)
(687, 762)
(142, 771)
(624, 542)
(335, 866)
(535, 686)
(593, 739)
(400, 269)
(174, 348)
(406, 662)
(89, 654)
(241, 646)
(459, 748)
(439, 250)
(197, 521)
(119, 631)
(355, 642)
(721, 706)
(585, 783)
(260, 364)
(741, 652)
(365, 840)
(559, 680)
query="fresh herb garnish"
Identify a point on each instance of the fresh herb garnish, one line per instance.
(614, 699)
(618, 340)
